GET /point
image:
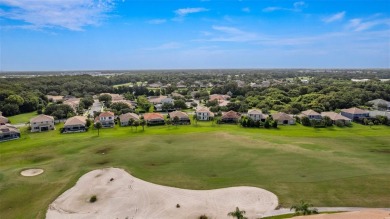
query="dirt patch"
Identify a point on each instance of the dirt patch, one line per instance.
(386, 151)
(31, 172)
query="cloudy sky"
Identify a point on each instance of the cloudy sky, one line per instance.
(172, 34)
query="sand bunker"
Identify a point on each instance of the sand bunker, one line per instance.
(366, 214)
(31, 172)
(120, 195)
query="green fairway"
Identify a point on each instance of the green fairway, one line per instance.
(22, 118)
(326, 167)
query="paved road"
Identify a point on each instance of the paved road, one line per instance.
(321, 209)
(96, 107)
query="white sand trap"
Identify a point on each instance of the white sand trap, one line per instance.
(31, 172)
(129, 197)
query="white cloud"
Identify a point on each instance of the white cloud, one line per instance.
(231, 34)
(157, 21)
(166, 46)
(246, 10)
(334, 17)
(69, 14)
(297, 7)
(360, 24)
(185, 11)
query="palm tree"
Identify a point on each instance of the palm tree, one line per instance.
(176, 120)
(98, 126)
(303, 208)
(142, 123)
(131, 122)
(195, 118)
(136, 124)
(237, 214)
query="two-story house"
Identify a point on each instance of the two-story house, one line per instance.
(256, 115)
(203, 114)
(106, 119)
(42, 123)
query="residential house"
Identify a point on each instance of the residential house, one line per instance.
(8, 132)
(283, 118)
(256, 115)
(203, 114)
(54, 99)
(222, 100)
(42, 123)
(114, 97)
(183, 117)
(230, 117)
(125, 118)
(380, 104)
(374, 113)
(75, 124)
(107, 119)
(73, 102)
(355, 113)
(159, 101)
(3, 119)
(335, 117)
(154, 119)
(311, 114)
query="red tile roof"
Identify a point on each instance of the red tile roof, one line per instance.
(153, 116)
(354, 110)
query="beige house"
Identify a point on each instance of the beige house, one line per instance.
(42, 123)
(256, 115)
(203, 114)
(106, 119)
(335, 117)
(8, 132)
(125, 118)
(311, 114)
(283, 118)
(230, 117)
(183, 117)
(75, 124)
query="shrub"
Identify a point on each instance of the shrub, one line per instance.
(340, 124)
(93, 199)
(305, 121)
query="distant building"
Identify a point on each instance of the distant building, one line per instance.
(107, 119)
(283, 118)
(183, 117)
(230, 117)
(335, 117)
(374, 113)
(154, 119)
(42, 123)
(203, 114)
(75, 124)
(256, 115)
(311, 114)
(8, 132)
(380, 104)
(355, 113)
(125, 118)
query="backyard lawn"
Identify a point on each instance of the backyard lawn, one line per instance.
(22, 118)
(326, 167)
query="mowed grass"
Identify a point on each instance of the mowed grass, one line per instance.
(327, 167)
(22, 118)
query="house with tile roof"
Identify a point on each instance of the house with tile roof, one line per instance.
(355, 113)
(256, 115)
(203, 114)
(283, 118)
(230, 117)
(125, 118)
(42, 123)
(184, 119)
(311, 114)
(8, 132)
(154, 119)
(107, 119)
(335, 117)
(75, 124)
(380, 104)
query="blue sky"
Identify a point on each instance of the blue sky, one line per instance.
(167, 34)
